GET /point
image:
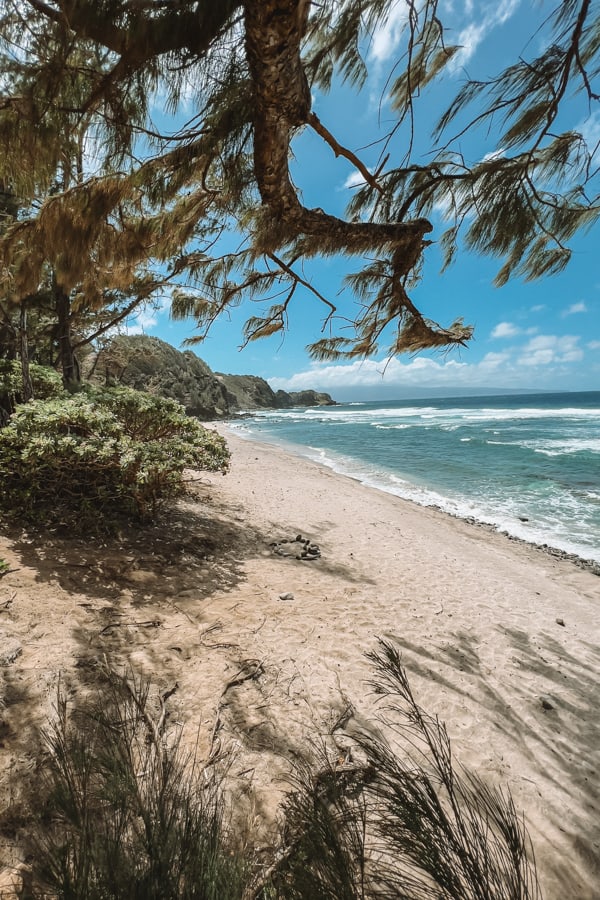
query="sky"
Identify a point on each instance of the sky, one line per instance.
(541, 335)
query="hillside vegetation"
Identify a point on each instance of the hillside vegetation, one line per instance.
(149, 364)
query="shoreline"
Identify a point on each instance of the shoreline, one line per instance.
(498, 639)
(295, 450)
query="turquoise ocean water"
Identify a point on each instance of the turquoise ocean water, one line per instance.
(527, 464)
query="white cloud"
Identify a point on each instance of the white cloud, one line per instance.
(539, 307)
(546, 361)
(386, 37)
(492, 370)
(471, 36)
(508, 330)
(504, 330)
(546, 349)
(354, 179)
(593, 345)
(147, 317)
(575, 308)
(141, 324)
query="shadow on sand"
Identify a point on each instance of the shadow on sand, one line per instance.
(556, 726)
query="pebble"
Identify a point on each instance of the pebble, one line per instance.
(546, 703)
(287, 596)
(560, 622)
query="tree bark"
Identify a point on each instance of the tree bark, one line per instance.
(27, 392)
(282, 103)
(68, 360)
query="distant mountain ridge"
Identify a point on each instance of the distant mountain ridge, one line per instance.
(150, 364)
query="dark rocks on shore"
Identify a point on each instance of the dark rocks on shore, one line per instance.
(297, 548)
(589, 565)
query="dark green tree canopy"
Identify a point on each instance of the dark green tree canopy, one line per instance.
(93, 67)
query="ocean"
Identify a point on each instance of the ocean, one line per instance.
(527, 464)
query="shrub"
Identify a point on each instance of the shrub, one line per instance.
(100, 455)
(400, 822)
(46, 383)
(127, 815)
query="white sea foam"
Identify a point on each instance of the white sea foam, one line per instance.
(448, 419)
(564, 447)
(537, 502)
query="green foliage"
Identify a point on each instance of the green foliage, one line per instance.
(46, 382)
(401, 822)
(84, 72)
(100, 455)
(127, 817)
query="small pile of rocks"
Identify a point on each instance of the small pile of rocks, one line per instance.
(298, 548)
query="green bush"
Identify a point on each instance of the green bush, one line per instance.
(97, 456)
(46, 383)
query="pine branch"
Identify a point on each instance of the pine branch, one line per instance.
(315, 122)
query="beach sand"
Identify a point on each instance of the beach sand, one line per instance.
(499, 639)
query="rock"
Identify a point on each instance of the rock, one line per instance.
(523, 519)
(546, 703)
(7, 657)
(298, 547)
(560, 622)
(149, 364)
(287, 596)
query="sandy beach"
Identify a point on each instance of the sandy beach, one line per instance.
(499, 639)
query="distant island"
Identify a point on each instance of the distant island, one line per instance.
(150, 364)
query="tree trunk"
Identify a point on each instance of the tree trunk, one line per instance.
(68, 360)
(282, 103)
(27, 392)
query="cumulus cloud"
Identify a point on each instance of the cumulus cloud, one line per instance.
(147, 318)
(546, 349)
(505, 330)
(141, 323)
(390, 373)
(574, 308)
(545, 361)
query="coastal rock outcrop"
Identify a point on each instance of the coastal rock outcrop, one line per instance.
(150, 364)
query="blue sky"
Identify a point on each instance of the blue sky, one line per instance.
(542, 335)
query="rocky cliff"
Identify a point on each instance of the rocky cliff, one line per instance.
(149, 364)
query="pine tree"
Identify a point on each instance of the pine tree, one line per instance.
(167, 199)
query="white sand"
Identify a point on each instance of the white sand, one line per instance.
(474, 614)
